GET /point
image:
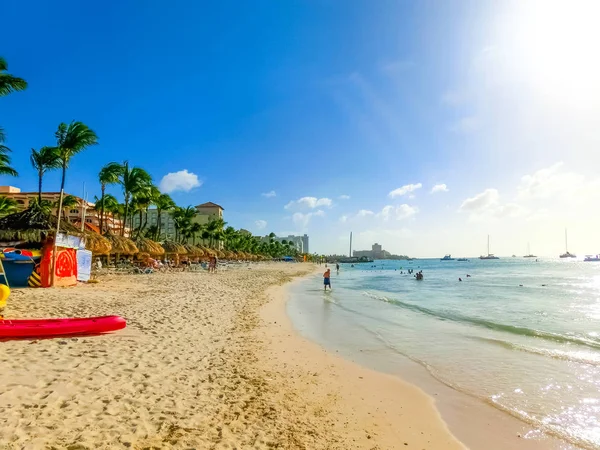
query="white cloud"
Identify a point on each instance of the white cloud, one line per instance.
(344, 197)
(487, 205)
(304, 219)
(309, 202)
(465, 125)
(551, 182)
(439, 188)
(481, 201)
(344, 219)
(365, 213)
(405, 211)
(261, 224)
(399, 212)
(404, 190)
(269, 194)
(179, 181)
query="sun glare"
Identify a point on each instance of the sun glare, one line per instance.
(552, 45)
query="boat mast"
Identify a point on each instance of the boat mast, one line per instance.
(488, 245)
(566, 245)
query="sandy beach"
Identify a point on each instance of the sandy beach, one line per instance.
(202, 364)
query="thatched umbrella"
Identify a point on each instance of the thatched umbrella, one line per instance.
(149, 246)
(120, 244)
(173, 248)
(33, 224)
(142, 256)
(209, 251)
(97, 244)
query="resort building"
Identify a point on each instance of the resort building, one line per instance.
(376, 252)
(84, 210)
(206, 212)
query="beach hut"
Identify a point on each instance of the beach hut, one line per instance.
(37, 226)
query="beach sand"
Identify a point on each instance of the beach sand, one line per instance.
(200, 365)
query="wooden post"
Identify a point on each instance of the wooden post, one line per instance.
(53, 274)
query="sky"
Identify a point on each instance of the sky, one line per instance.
(423, 125)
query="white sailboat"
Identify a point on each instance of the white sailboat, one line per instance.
(529, 255)
(489, 255)
(567, 254)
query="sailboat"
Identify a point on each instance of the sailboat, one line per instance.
(489, 255)
(567, 254)
(529, 255)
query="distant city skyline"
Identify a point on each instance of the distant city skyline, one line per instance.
(423, 129)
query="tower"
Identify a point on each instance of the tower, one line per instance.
(350, 255)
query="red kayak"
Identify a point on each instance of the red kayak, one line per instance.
(40, 328)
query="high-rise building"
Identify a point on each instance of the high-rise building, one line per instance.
(301, 242)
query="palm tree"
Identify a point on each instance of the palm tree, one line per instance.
(8, 206)
(68, 202)
(5, 168)
(144, 200)
(109, 174)
(195, 228)
(134, 180)
(42, 161)
(8, 82)
(70, 140)
(163, 203)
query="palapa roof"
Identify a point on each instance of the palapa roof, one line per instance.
(120, 244)
(193, 250)
(98, 244)
(146, 245)
(173, 247)
(31, 224)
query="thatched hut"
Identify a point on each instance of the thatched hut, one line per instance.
(97, 243)
(33, 225)
(150, 247)
(120, 244)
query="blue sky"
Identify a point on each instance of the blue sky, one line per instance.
(323, 99)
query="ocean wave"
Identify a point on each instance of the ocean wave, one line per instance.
(580, 357)
(522, 331)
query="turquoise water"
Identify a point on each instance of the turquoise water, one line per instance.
(521, 335)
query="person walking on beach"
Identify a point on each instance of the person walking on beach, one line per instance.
(327, 279)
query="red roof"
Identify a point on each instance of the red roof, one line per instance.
(210, 205)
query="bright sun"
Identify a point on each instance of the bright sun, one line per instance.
(553, 45)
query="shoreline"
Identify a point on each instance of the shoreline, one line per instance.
(468, 418)
(378, 410)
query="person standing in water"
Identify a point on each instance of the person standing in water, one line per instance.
(327, 279)
(337, 268)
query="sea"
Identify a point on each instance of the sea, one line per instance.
(520, 334)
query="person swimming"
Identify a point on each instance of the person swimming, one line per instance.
(327, 279)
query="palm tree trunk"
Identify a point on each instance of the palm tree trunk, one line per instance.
(103, 187)
(41, 174)
(125, 214)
